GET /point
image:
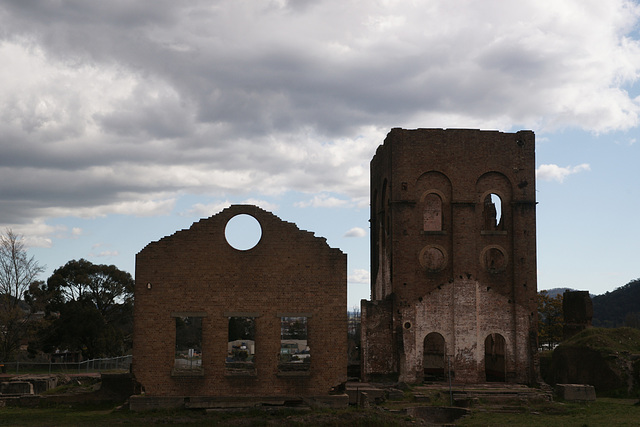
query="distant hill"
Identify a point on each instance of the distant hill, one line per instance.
(618, 308)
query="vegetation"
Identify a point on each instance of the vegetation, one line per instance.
(602, 357)
(17, 273)
(618, 308)
(609, 340)
(550, 319)
(611, 412)
(89, 308)
(99, 415)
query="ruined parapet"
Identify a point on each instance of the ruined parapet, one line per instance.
(213, 318)
(578, 312)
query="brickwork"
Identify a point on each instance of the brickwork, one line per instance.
(577, 309)
(466, 272)
(195, 272)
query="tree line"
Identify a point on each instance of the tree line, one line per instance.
(82, 307)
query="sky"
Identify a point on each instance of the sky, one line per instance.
(122, 122)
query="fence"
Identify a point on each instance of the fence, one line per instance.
(112, 364)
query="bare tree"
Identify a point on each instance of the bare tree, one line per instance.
(17, 272)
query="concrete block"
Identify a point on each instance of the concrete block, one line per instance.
(16, 387)
(395, 394)
(576, 392)
(40, 385)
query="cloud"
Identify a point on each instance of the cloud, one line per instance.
(628, 142)
(356, 232)
(360, 276)
(557, 173)
(105, 254)
(323, 201)
(124, 107)
(102, 254)
(207, 210)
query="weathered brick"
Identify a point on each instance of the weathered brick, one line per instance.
(461, 276)
(197, 271)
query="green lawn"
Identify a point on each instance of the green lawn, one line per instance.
(604, 412)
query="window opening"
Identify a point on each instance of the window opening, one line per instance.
(188, 354)
(494, 358)
(295, 353)
(432, 216)
(492, 212)
(433, 357)
(243, 232)
(241, 344)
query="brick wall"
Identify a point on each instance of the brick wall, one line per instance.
(470, 278)
(290, 272)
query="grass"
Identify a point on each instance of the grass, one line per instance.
(100, 416)
(603, 412)
(607, 340)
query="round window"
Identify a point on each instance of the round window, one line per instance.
(243, 232)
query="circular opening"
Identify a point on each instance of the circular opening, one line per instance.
(243, 232)
(433, 258)
(495, 261)
(407, 325)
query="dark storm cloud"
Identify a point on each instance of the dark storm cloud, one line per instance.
(109, 103)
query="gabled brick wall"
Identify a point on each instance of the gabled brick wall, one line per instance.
(195, 272)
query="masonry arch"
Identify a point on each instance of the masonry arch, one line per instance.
(432, 212)
(495, 195)
(433, 355)
(433, 190)
(495, 358)
(492, 213)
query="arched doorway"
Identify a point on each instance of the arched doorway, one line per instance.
(433, 357)
(494, 358)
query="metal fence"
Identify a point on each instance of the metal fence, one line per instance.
(111, 364)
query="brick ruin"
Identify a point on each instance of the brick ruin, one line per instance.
(453, 291)
(212, 320)
(453, 258)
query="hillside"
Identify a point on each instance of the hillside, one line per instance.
(605, 358)
(620, 307)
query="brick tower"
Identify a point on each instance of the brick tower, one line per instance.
(453, 258)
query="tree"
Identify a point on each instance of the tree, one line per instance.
(17, 272)
(94, 307)
(550, 319)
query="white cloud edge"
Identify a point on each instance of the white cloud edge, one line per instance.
(553, 172)
(356, 232)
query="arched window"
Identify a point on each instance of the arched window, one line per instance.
(432, 214)
(492, 213)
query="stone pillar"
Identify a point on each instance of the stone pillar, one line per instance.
(578, 312)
